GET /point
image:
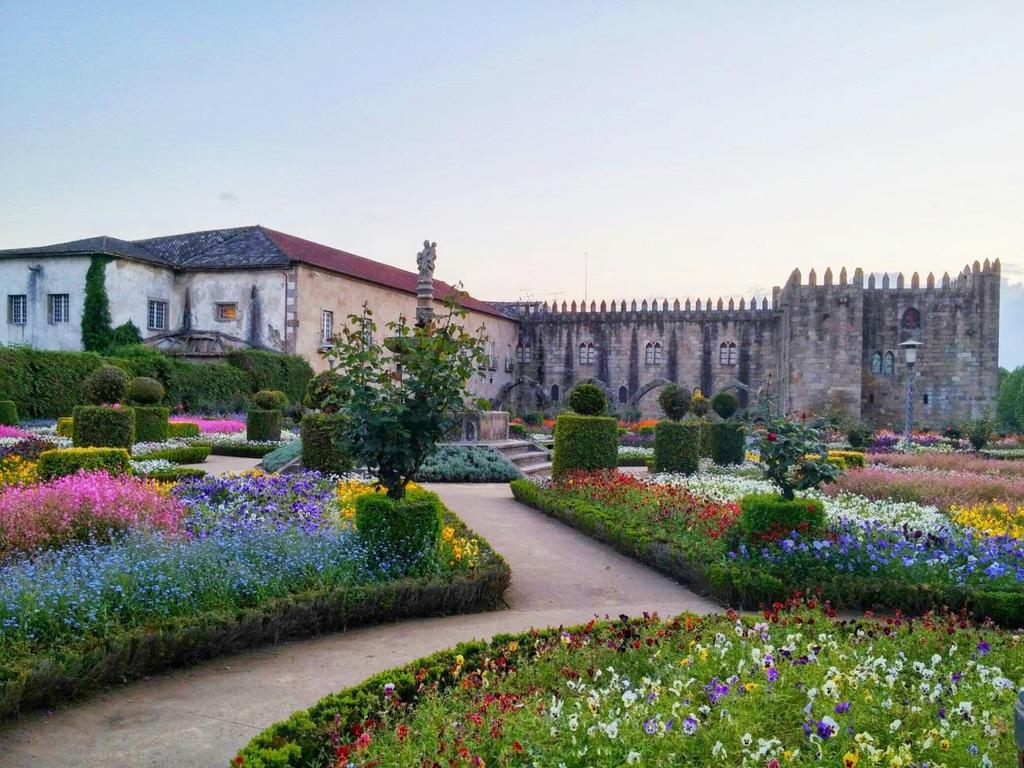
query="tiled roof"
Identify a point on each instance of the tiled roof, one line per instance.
(248, 248)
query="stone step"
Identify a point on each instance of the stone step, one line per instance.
(533, 457)
(540, 468)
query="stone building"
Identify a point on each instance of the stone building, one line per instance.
(816, 347)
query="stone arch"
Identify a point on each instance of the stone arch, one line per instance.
(654, 384)
(597, 383)
(531, 383)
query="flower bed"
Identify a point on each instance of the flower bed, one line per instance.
(212, 425)
(941, 489)
(956, 462)
(795, 687)
(252, 559)
(857, 563)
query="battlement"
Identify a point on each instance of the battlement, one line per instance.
(963, 279)
(686, 309)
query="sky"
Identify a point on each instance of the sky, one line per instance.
(552, 149)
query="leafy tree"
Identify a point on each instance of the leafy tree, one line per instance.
(1008, 402)
(402, 398)
(795, 457)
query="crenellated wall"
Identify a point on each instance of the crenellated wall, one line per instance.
(811, 347)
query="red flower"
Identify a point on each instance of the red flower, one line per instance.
(239, 760)
(402, 732)
(517, 747)
(772, 437)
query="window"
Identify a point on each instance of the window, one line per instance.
(327, 327)
(926, 398)
(554, 393)
(58, 308)
(734, 354)
(588, 353)
(227, 311)
(17, 309)
(527, 353)
(728, 353)
(623, 395)
(871, 398)
(157, 317)
(519, 353)
(888, 364)
(876, 363)
(652, 355)
(911, 319)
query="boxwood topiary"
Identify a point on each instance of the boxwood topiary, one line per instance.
(65, 426)
(587, 400)
(323, 447)
(728, 442)
(8, 413)
(184, 454)
(404, 531)
(68, 461)
(725, 404)
(585, 442)
(677, 446)
(263, 424)
(767, 517)
(151, 423)
(674, 401)
(106, 385)
(142, 390)
(103, 425)
(270, 399)
(182, 429)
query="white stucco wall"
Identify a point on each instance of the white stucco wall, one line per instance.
(36, 278)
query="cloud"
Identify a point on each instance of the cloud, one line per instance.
(228, 197)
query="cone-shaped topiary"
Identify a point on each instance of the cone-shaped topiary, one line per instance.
(725, 404)
(675, 402)
(587, 400)
(145, 391)
(107, 384)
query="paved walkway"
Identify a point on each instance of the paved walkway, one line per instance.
(200, 716)
(223, 465)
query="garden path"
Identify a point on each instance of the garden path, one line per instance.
(200, 716)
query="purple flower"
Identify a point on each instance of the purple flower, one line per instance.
(827, 727)
(650, 727)
(690, 725)
(772, 673)
(983, 647)
(842, 707)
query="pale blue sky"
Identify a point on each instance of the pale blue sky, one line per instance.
(689, 149)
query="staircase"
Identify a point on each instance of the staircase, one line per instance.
(529, 457)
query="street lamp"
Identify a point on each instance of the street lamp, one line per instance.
(910, 349)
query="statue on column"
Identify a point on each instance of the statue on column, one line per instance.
(425, 261)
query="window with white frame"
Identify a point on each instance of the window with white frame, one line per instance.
(156, 317)
(652, 355)
(728, 353)
(588, 353)
(17, 309)
(734, 353)
(58, 308)
(527, 353)
(326, 327)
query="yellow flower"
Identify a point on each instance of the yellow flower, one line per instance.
(449, 532)
(460, 660)
(944, 744)
(513, 646)
(748, 687)
(850, 760)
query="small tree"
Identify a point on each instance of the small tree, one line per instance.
(675, 402)
(795, 457)
(402, 398)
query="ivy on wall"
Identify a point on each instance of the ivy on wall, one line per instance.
(97, 335)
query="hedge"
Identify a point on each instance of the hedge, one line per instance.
(261, 424)
(585, 442)
(746, 587)
(47, 384)
(182, 429)
(151, 423)
(677, 446)
(410, 525)
(768, 516)
(79, 668)
(104, 426)
(8, 413)
(243, 450)
(321, 436)
(65, 426)
(185, 454)
(728, 443)
(68, 461)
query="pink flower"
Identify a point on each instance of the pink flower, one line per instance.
(6, 431)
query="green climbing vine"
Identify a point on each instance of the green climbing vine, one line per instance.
(97, 335)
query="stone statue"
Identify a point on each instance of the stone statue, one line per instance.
(425, 260)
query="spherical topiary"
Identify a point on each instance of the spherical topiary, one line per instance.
(725, 404)
(587, 400)
(675, 402)
(267, 400)
(145, 391)
(107, 384)
(700, 405)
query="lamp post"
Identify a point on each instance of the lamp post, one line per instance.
(910, 350)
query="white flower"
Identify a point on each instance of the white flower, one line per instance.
(556, 707)
(611, 730)
(746, 739)
(629, 699)
(633, 757)
(895, 725)
(718, 750)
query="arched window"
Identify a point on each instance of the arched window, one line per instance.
(623, 395)
(657, 353)
(876, 363)
(583, 353)
(588, 353)
(911, 319)
(519, 353)
(723, 354)
(888, 364)
(733, 353)
(649, 356)
(554, 393)
(527, 353)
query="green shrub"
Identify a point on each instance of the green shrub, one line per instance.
(587, 400)
(517, 431)
(65, 426)
(767, 517)
(405, 530)
(725, 404)
(182, 429)
(980, 432)
(278, 458)
(263, 424)
(269, 400)
(185, 454)
(8, 413)
(206, 388)
(319, 389)
(585, 442)
(143, 390)
(466, 464)
(272, 370)
(323, 444)
(106, 385)
(175, 474)
(858, 435)
(68, 461)
(243, 450)
(151, 423)
(700, 405)
(728, 442)
(674, 402)
(103, 425)
(533, 418)
(848, 458)
(677, 446)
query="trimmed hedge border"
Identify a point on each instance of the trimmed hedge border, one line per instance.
(242, 450)
(750, 589)
(68, 461)
(143, 651)
(186, 454)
